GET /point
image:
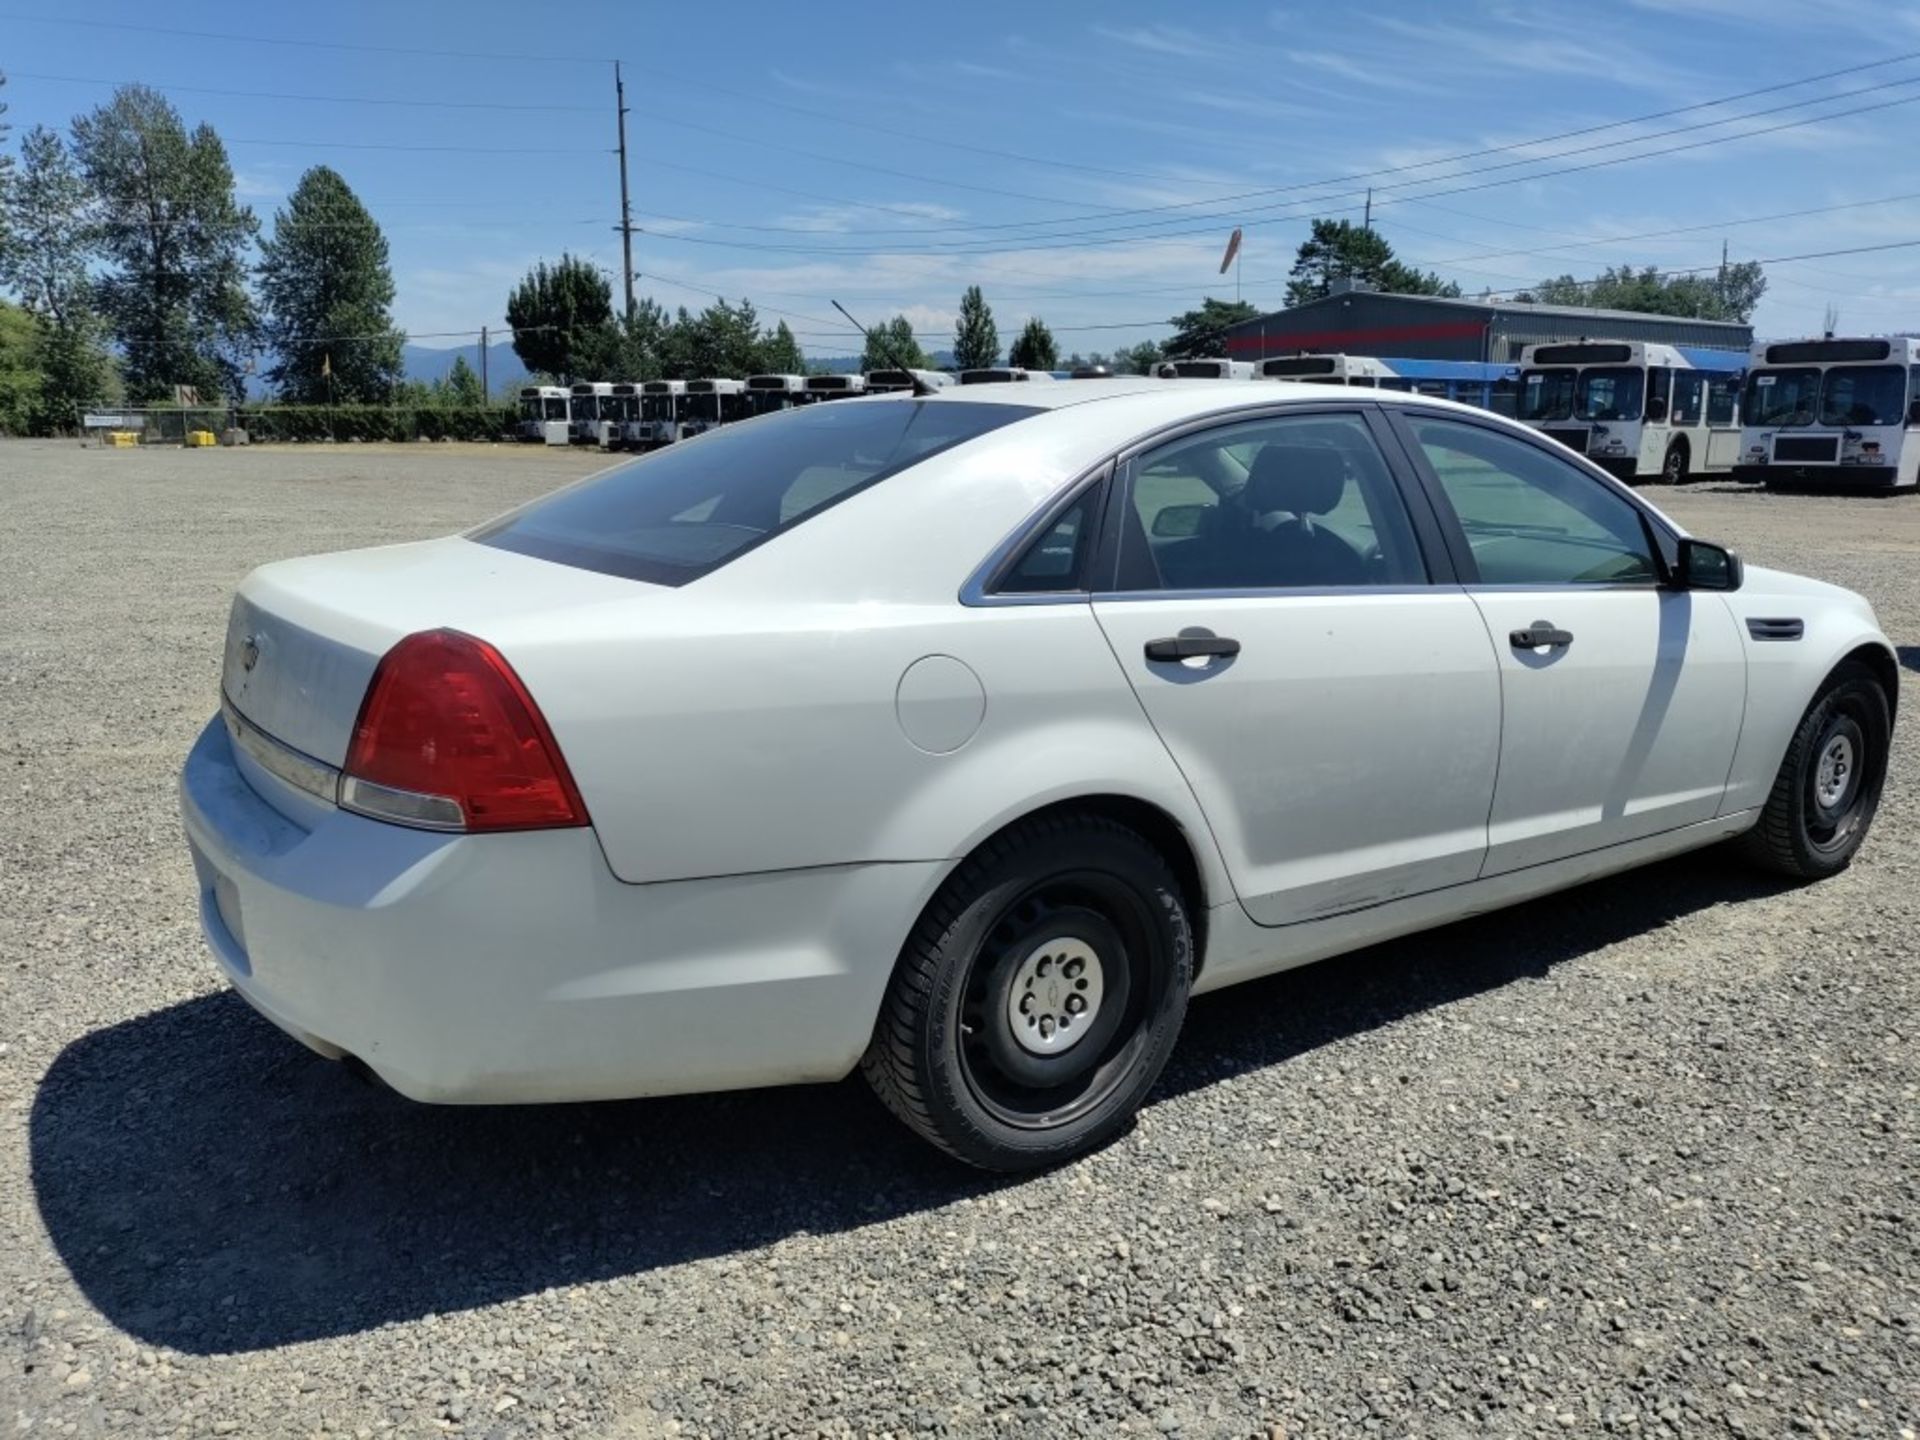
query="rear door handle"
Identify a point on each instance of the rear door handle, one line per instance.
(1542, 634)
(1192, 646)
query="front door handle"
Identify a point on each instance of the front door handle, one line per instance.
(1540, 635)
(1192, 646)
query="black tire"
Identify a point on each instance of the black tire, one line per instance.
(1673, 470)
(1075, 905)
(1828, 788)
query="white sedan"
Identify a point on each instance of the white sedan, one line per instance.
(961, 738)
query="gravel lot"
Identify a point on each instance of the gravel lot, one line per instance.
(1636, 1159)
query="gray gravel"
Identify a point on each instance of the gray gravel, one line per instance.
(1637, 1159)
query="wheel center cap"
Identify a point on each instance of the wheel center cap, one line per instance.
(1055, 996)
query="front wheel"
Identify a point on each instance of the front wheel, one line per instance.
(1673, 470)
(1828, 788)
(1039, 996)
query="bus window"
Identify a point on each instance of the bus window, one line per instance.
(1863, 395)
(1659, 383)
(1687, 397)
(1723, 393)
(1403, 386)
(1503, 398)
(1366, 381)
(1913, 388)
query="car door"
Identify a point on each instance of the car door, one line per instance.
(1335, 711)
(1622, 697)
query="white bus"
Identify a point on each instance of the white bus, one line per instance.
(1842, 412)
(1637, 409)
(1362, 370)
(621, 411)
(768, 393)
(712, 403)
(543, 415)
(893, 382)
(1204, 370)
(660, 412)
(835, 387)
(1002, 375)
(586, 417)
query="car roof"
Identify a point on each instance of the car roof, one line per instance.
(1173, 399)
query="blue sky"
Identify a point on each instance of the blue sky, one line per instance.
(1082, 163)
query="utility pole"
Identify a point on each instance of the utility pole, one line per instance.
(486, 390)
(625, 227)
(1367, 222)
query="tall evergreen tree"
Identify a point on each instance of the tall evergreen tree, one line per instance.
(1035, 350)
(1342, 250)
(892, 343)
(561, 316)
(462, 386)
(176, 297)
(6, 179)
(976, 343)
(780, 353)
(1201, 333)
(326, 288)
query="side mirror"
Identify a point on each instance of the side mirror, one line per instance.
(1656, 409)
(1913, 413)
(1178, 522)
(1706, 566)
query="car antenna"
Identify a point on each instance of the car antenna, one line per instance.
(920, 387)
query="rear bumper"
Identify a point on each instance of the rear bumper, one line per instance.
(1829, 477)
(517, 968)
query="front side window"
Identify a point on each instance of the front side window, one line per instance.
(1284, 503)
(1531, 518)
(1781, 397)
(1611, 393)
(678, 514)
(1864, 395)
(1546, 395)
(1723, 394)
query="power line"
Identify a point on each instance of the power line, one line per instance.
(504, 105)
(234, 37)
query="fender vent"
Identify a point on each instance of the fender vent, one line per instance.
(1776, 629)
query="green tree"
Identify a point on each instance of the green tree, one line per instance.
(175, 297)
(892, 344)
(1138, 359)
(1341, 250)
(46, 264)
(326, 287)
(462, 385)
(1035, 350)
(6, 180)
(780, 353)
(976, 343)
(19, 371)
(1200, 333)
(561, 315)
(1729, 294)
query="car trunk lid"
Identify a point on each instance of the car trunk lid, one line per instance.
(304, 636)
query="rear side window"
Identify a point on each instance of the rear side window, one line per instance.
(687, 510)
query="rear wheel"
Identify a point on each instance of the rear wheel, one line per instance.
(1038, 998)
(1673, 470)
(1828, 788)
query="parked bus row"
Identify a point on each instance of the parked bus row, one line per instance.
(1827, 410)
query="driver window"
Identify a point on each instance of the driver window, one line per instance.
(1268, 504)
(1531, 518)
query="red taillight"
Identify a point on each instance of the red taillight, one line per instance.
(449, 739)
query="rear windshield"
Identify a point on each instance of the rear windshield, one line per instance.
(689, 509)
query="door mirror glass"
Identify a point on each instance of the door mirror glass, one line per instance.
(1177, 522)
(1656, 409)
(1706, 566)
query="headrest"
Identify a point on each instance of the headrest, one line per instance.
(1304, 479)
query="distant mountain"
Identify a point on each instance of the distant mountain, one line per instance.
(424, 363)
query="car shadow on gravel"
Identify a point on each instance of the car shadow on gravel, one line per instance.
(214, 1188)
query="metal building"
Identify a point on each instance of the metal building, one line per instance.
(1425, 327)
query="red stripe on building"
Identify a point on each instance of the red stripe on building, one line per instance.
(1348, 341)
